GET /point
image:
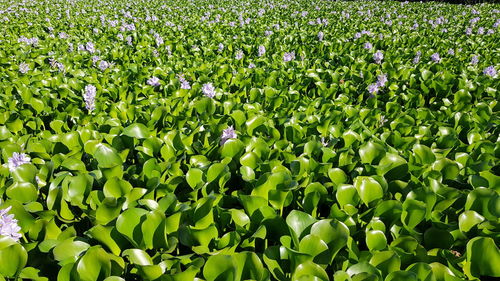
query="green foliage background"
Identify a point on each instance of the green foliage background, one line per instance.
(324, 181)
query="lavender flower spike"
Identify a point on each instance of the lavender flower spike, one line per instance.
(373, 88)
(24, 68)
(262, 50)
(490, 71)
(474, 60)
(289, 56)
(227, 134)
(208, 90)
(17, 160)
(154, 81)
(435, 57)
(89, 97)
(378, 57)
(8, 225)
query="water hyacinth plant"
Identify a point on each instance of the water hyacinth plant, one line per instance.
(17, 160)
(8, 225)
(249, 140)
(208, 90)
(89, 97)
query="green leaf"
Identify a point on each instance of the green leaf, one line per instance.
(107, 156)
(128, 224)
(393, 167)
(298, 222)
(13, 257)
(220, 268)
(468, 219)
(115, 187)
(386, 261)
(370, 152)
(136, 130)
(232, 148)
(23, 192)
(309, 271)
(483, 258)
(194, 177)
(368, 189)
(413, 212)
(376, 240)
(69, 249)
(137, 256)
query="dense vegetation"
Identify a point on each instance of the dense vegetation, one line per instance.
(249, 140)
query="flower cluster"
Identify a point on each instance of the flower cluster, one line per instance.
(378, 57)
(8, 225)
(416, 59)
(262, 50)
(289, 56)
(474, 60)
(184, 83)
(17, 160)
(227, 134)
(490, 71)
(24, 68)
(89, 97)
(154, 81)
(208, 90)
(436, 58)
(239, 55)
(375, 87)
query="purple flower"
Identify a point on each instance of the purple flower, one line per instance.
(239, 55)
(8, 225)
(474, 60)
(227, 134)
(480, 31)
(184, 83)
(158, 39)
(381, 80)
(416, 59)
(24, 67)
(468, 31)
(221, 47)
(289, 56)
(378, 57)
(373, 88)
(89, 97)
(251, 65)
(357, 35)
(321, 35)
(435, 57)
(154, 81)
(451, 52)
(368, 46)
(103, 65)
(90, 47)
(490, 71)
(208, 90)
(262, 50)
(17, 160)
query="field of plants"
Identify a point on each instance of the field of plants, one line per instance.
(249, 140)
